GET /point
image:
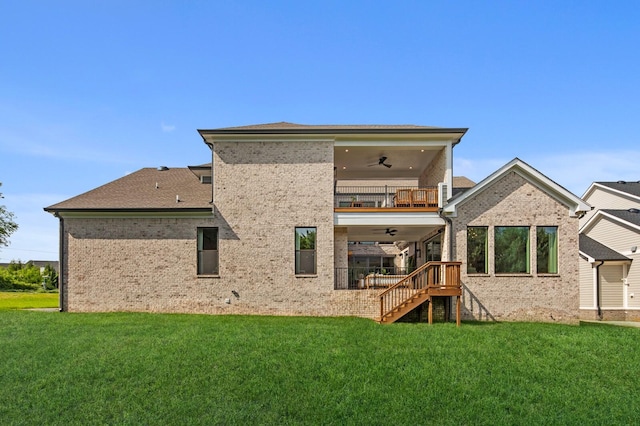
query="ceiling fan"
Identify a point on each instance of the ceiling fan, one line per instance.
(390, 231)
(381, 162)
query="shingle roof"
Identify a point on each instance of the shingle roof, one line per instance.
(147, 189)
(462, 182)
(630, 215)
(283, 125)
(598, 251)
(632, 188)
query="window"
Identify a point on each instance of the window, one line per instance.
(547, 249)
(477, 249)
(207, 251)
(306, 251)
(433, 249)
(512, 249)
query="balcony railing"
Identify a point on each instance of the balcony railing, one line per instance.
(363, 278)
(368, 197)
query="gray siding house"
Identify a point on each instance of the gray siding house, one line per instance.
(609, 252)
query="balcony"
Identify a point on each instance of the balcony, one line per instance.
(385, 198)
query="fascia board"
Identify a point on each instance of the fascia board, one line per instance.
(590, 223)
(560, 194)
(395, 142)
(617, 219)
(135, 214)
(387, 219)
(587, 257)
(453, 135)
(590, 190)
(531, 175)
(618, 192)
(269, 138)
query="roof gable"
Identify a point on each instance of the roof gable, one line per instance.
(620, 188)
(575, 204)
(628, 217)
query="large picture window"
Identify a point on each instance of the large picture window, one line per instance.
(306, 251)
(547, 249)
(477, 249)
(512, 250)
(208, 251)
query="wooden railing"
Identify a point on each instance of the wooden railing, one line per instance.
(368, 197)
(430, 279)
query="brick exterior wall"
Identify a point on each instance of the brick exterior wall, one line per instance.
(513, 201)
(263, 191)
(434, 172)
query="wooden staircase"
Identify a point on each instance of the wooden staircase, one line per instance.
(429, 280)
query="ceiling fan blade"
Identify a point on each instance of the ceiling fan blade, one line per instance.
(388, 166)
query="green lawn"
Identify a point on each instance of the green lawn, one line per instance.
(25, 300)
(194, 369)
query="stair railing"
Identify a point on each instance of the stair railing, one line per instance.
(429, 275)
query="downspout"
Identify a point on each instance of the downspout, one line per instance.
(449, 248)
(212, 177)
(61, 264)
(598, 290)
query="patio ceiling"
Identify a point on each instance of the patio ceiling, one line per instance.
(361, 162)
(378, 233)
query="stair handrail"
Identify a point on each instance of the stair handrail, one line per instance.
(398, 293)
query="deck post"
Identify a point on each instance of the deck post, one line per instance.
(458, 311)
(430, 316)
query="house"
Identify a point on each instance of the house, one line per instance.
(609, 254)
(276, 223)
(40, 264)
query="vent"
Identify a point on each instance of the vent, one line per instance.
(162, 168)
(622, 182)
(633, 210)
(205, 179)
(442, 194)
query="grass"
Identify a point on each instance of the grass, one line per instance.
(26, 300)
(191, 369)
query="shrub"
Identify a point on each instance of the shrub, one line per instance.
(20, 277)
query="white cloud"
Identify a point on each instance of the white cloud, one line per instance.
(167, 127)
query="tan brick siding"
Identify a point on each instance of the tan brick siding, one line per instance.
(514, 201)
(434, 172)
(262, 192)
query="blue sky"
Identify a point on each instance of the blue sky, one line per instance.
(90, 91)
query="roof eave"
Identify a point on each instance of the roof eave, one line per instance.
(127, 210)
(577, 207)
(209, 135)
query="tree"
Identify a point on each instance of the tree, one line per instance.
(7, 225)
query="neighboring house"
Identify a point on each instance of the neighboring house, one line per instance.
(610, 253)
(278, 221)
(41, 264)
